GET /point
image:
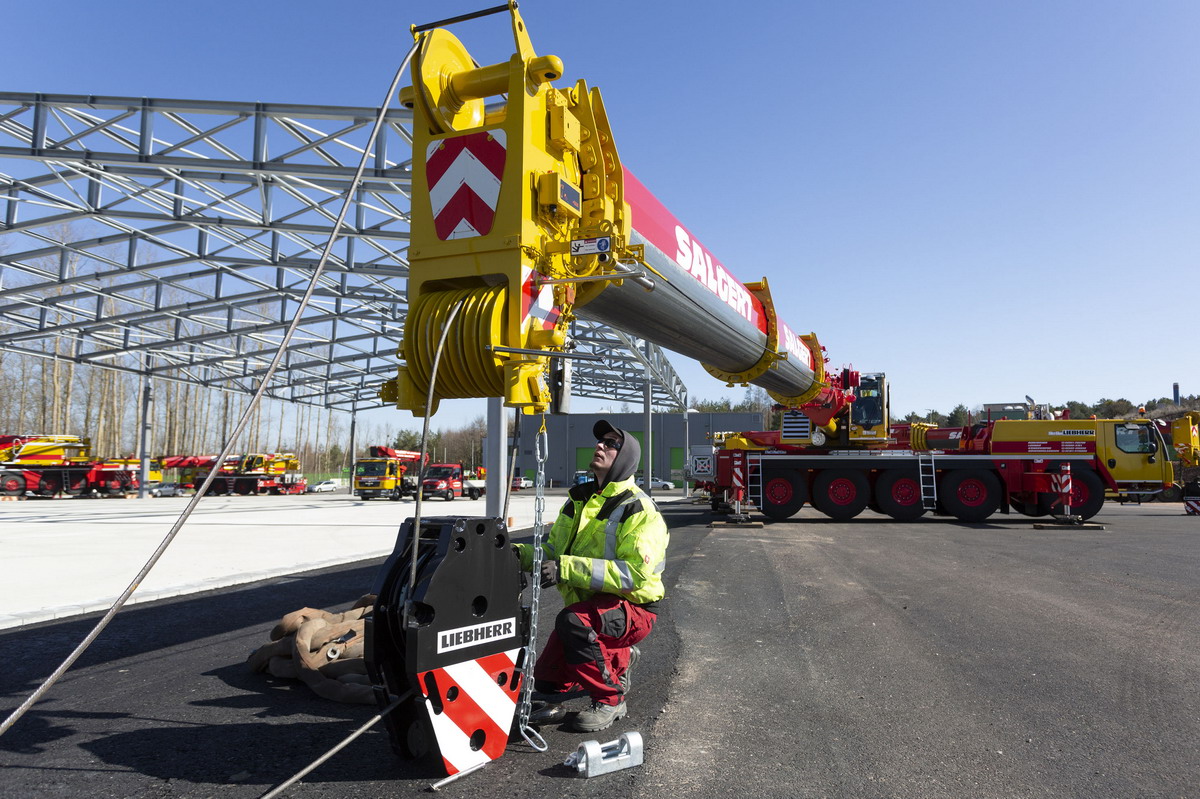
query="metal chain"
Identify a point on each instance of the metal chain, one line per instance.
(541, 452)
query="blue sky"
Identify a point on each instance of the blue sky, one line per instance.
(983, 199)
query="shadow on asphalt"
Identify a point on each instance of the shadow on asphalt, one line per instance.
(44, 646)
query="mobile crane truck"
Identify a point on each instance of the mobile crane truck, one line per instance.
(249, 474)
(967, 472)
(49, 465)
(385, 473)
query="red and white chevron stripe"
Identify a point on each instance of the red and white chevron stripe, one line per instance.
(478, 700)
(463, 175)
(538, 305)
(1191, 507)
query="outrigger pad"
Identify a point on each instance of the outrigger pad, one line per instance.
(457, 648)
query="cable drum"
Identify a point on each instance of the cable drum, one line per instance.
(471, 370)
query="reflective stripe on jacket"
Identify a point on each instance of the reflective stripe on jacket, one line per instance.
(613, 542)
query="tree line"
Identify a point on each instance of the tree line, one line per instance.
(43, 396)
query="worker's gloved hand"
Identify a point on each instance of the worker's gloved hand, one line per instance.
(549, 573)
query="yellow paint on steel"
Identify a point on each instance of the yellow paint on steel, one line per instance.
(560, 181)
(818, 384)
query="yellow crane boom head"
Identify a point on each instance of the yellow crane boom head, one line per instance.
(502, 194)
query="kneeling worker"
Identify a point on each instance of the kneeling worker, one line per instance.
(606, 552)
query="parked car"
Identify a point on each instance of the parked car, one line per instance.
(324, 485)
(656, 483)
(519, 481)
(167, 490)
(582, 477)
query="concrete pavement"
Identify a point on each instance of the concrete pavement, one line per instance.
(66, 557)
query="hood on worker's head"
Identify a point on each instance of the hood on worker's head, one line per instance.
(628, 457)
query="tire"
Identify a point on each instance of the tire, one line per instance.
(783, 494)
(1087, 495)
(49, 485)
(473, 493)
(12, 484)
(898, 494)
(841, 494)
(449, 495)
(75, 484)
(970, 495)
(1172, 494)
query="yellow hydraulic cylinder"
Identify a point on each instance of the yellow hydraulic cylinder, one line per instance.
(505, 199)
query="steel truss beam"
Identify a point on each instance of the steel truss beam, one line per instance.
(176, 237)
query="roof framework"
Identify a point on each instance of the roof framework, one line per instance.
(176, 238)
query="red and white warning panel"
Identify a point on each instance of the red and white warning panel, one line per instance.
(463, 174)
(450, 642)
(471, 706)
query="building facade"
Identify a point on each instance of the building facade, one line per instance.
(570, 443)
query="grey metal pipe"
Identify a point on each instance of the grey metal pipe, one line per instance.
(683, 315)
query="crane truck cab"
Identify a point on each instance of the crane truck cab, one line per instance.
(386, 474)
(446, 480)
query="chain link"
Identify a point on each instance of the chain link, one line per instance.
(541, 453)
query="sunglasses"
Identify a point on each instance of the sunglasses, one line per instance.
(610, 443)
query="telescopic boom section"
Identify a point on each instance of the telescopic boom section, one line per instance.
(523, 217)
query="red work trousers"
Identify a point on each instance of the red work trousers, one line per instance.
(590, 645)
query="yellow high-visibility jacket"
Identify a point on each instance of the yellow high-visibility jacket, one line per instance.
(613, 542)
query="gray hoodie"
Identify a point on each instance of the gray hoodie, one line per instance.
(626, 462)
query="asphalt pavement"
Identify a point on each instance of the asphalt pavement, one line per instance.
(801, 659)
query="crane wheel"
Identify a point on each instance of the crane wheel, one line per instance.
(49, 485)
(75, 484)
(12, 484)
(841, 494)
(783, 494)
(1087, 494)
(970, 495)
(898, 494)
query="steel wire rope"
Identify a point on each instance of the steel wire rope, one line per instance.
(475, 371)
(371, 722)
(241, 424)
(416, 529)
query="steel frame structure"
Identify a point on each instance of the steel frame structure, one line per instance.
(174, 238)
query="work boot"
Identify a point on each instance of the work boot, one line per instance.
(626, 679)
(598, 717)
(543, 713)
